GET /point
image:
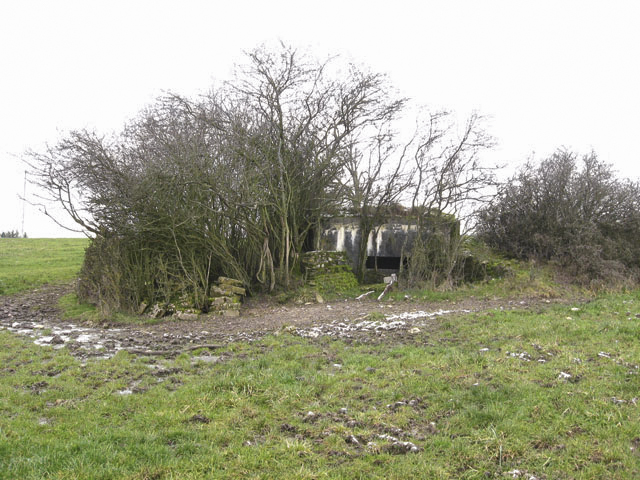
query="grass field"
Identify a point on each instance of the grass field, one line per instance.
(28, 263)
(547, 394)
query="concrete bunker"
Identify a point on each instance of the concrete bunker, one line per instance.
(387, 244)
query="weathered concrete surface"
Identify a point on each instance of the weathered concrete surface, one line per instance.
(343, 234)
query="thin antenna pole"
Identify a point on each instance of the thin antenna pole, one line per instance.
(24, 199)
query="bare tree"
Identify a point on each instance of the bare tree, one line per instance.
(450, 184)
(437, 172)
(375, 180)
(307, 125)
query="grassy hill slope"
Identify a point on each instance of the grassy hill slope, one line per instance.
(26, 263)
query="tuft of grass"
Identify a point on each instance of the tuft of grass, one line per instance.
(27, 263)
(73, 309)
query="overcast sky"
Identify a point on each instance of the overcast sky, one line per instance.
(547, 73)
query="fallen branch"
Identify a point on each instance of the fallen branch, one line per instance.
(360, 297)
(394, 279)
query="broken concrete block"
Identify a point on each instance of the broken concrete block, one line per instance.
(229, 281)
(217, 291)
(186, 316)
(143, 306)
(236, 290)
(157, 311)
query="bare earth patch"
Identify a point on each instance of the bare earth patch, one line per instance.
(36, 315)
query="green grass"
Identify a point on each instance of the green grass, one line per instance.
(524, 280)
(476, 413)
(29, 263)
(73, 309)
(483, 403)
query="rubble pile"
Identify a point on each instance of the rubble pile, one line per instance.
(226, 297)
(329, 272)
(322, 262)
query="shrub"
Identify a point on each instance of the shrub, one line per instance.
(575, 212)
(231, 183)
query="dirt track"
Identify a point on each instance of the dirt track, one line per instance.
(36, 314)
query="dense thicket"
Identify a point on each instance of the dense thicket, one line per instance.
(570, 210)
(234, 182)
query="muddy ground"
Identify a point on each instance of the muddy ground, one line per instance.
(36, 315)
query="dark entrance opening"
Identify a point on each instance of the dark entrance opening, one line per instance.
(309, 241)
(384, 263)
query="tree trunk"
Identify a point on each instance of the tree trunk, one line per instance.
(365, 231)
